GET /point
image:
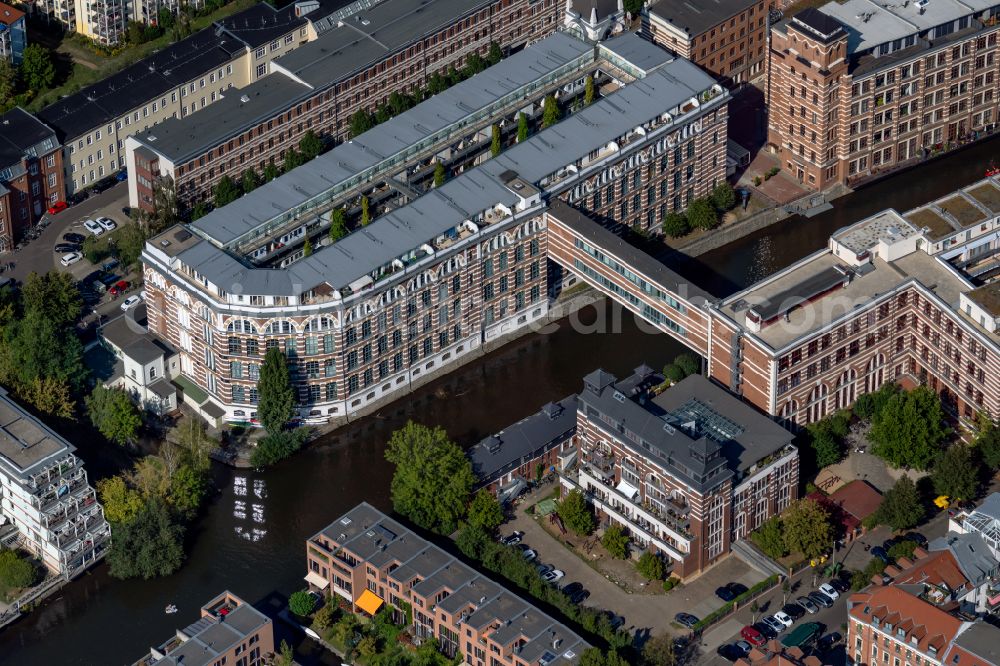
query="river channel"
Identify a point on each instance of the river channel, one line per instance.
(251, 539)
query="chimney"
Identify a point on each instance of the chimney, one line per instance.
(904, 563)
(919, 553)
(891, 570)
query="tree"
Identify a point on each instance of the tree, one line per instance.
(807, 528)
(37, 68)
(550, 111)
(131, 239)
(338, 224)
(659, 651)
(633, 7)
(770, 539)
(909, 430)
(903, 548)
(439, 174)
(165, 18)
(35, 346)
(293, 160)
(8, 84)
(588, 90)
(188, 489)
(301, 603)
(361, 122)
(55, 295)
(868, 406)
(15, 572)
(485, 511)
(615, 540)
(673, 372)
(49, 395)
(224, 192)
(250, 181)
(276, 399)
(495, 54)
(433, 477)
(149, 545)
(121, 502)
(689, 363)
(901, 507)
(307, 248)
(165, 213)
(723, 196)
(285, 656)
(576, 514)
(651, 566)
(270, 172)
(825, 448)
(522, 127)
(495, 142)
(276, 447)
(310, 145)
(114, 414)
(199, 211)
(702, 215)
(366, 216)
(326, 615)
(675, 225)
(956, 473)
(988, 442)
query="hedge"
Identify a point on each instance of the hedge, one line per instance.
(727, 607)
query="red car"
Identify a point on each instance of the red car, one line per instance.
(57, 207)
(752, 636)
(119, 288)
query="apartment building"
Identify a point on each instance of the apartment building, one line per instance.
(508, 461)
(728, 38)
(893, 297)
(392, 46)
(371, 560)
(45, 494)
(228, 631)
(176, 81)
(31, 174)
(890, 624)
(984, 520)
(685, 471)
(424, 284)
(13, 34)
(857, 89)
(58, 11)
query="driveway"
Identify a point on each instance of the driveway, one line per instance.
(649, 613)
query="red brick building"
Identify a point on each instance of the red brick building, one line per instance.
(31, 174)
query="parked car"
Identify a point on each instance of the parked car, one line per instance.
(57, 207)
(737, 588)
(881, 554)
(821, 599)
(131, 302)
(571, 589)
(686, 620)
(828, 590)
(784, 618)
(578, 596)
(725, 593)
(776, 625)
(553, 575)
(122, 175)
(615, 620)
(766, 630)
(743, 647)
(66, 247)
(839, 585)
(93, 227)
(107, 223)
(793, 611)
(73, 238)
(119, 288)
(729, 652)
(919, 538)
(828, 641)
(529, 554)
(70, 258)
(543, 568)
(752, 635)
(807, 604)
(512, 539)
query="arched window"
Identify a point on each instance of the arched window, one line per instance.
(279, 327)
(319, 324)
(241, 326)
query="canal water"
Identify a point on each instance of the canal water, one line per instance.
(252, 537)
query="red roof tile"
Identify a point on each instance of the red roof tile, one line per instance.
(927, 623)
(9, 14)
(858, 498)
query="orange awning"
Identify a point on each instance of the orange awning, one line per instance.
(369, 602)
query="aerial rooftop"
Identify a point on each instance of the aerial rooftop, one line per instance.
(27, 446)
(22, 136)
(696, 16)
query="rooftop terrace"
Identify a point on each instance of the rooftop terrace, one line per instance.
(27, 445)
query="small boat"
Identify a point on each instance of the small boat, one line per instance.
(170, 609)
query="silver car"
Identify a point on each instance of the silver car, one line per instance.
(808, 604)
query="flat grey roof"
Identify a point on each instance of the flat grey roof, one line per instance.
(210, 636)
(981, 639)
(377, 539)
(180, 139)
(26, 444)
(462, 198)
(642, 53)
(696, 16)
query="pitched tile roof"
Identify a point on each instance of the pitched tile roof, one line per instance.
(929, 625)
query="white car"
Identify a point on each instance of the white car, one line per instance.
(529, 554)
(131, 302)
(93, 227)
(553, 576)
(784, 618)
(107, 223)
(828, 590)
(71, 258)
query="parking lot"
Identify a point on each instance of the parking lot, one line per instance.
(646, 613)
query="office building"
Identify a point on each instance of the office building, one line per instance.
(44, 493)
(727, 38)
(685, 471)
(857, 89)
(31, 174)
(370, 560)
(428, 282)
(13, 34)
(228, 631)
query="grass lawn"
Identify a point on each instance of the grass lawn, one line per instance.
(76, 75)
